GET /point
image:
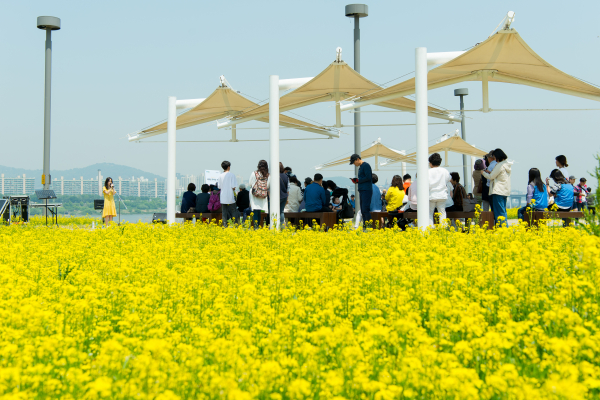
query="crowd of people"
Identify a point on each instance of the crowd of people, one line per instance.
(491, 178)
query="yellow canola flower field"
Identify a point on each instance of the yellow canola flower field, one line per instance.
(202, 312)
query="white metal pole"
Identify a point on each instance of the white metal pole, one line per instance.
(274, 149)
(422, 136)
(171, 162)
(485, 91)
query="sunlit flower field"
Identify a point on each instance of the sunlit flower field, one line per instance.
(202, 312)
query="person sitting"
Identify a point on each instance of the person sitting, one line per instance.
(243, 202)
(295, 197)
(395, 194)
(353, 202)
(458, 192)
(336, 204)
(376, 203)
(315, 197)
(561, 191)
(214, 204)
(202, 199)
(188, 202)
(537, 194)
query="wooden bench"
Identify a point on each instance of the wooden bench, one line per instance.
(328, 219)
(485, 216)
(203, 216)
(536, 216)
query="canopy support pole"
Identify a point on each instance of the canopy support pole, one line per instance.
(519, 81)
(422, 136)
(485, 92)
(338, 111)
(234, 134)
(171, 162)
(274, 150)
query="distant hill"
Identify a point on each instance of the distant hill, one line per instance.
(108, 169)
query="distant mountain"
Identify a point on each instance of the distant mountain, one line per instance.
(107, 169)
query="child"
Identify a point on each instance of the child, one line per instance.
(536, 191)
(336, 204)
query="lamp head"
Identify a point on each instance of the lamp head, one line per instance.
(48, 23)
(357, 10)
(461, 92)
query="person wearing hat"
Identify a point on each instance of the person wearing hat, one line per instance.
(477, 183)
(365, 185)
(580, 191)
(243, 202)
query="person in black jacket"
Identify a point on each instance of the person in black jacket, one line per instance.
(365, 185)
(189, 199)
(202, 199)
(243, 202)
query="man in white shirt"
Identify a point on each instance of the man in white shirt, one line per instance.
(438, 190)
(227, 184)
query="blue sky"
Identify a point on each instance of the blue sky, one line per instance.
(115, 64)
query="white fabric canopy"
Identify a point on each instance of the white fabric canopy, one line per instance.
(503, 57)
(223, 102)
(376, 149)
(454, 144)
(337, 82)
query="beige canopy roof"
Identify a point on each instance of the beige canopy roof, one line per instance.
(453, 144)
(221, 103)
(337, 82)
(377, 149)
(503, 57)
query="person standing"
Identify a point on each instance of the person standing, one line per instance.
(227, 184)
(491, 163)
(561, 164)
(365, 185)
(243, 202)
(109, 211)
(591, 201)
(580, 192)
(376, 203)
(260, 183)
(438, 191)
(499, 184)
(188, 202)
(477, 183)
(284, 187)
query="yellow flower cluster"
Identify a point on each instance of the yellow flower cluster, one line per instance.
(201, 312)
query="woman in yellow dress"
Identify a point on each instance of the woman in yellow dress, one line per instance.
(109, 210)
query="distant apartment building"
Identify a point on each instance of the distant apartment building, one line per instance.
(18, 185)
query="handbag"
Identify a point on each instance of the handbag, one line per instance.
(469, 205)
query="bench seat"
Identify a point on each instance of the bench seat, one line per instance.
(485, 216)
(540, 215)
(328, 219)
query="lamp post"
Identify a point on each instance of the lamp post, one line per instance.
(48, 24)
(357, 11)
(462, 93)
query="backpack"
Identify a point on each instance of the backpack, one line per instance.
(260, 187)
(214, 203)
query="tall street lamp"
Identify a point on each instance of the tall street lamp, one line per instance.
(466, 166)
(48, 24)
(357, 11)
